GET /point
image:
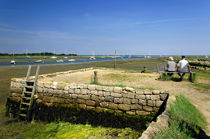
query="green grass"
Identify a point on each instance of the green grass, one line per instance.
(63, 130)
(185, 120)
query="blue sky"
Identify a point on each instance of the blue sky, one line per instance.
(102, 26)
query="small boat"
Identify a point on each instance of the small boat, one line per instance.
(92, 58)
(12, 62)
(70, 60)
(53, 57)
(60, 60)
(65, 57)
(39, 61)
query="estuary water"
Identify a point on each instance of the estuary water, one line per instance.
(49, 61)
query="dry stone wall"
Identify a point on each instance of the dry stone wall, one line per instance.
(127, 100)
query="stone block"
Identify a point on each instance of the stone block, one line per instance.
(155, 97)
(83, 106)
(136, 107)
(93, 92)
(126, 101)
(92, 87)
(107, 94)
(108, 99)
(107, 89)
(134, 101)
(142, 102)
(99, 88)
(71, 91)
(96, 98)
(129, 95)
(83, 91)
(116, 94)
(113, 106)
(155, 92)
(148, 108)
(73, 86)
(77, 91)
(104, 104)
(163, 96)
(90, 108)
(100, 93)
(159, 103)
(86, 97)
(60, 86)
(151, 103)
(81, 101)
(74, 96)
(147, 92)
(124, 107)
(99, 109)
(130, 89)
(140, 96)
(90, 103)
(118, 100)
(156, 109)
(117, 89)
(139, 92)
(130, 112)
(148, 97)
(142, 112)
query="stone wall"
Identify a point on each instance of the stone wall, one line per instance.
(126, 100)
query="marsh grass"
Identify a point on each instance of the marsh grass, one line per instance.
(185, 121)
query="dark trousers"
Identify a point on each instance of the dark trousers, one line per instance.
(181, 75)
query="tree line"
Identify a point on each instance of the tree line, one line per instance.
(37, 54)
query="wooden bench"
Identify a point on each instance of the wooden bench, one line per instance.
(191, 77)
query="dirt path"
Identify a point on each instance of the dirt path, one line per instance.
(143, 80)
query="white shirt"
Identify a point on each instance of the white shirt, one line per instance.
(183, 65)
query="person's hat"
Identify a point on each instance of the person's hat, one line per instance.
(171, 58)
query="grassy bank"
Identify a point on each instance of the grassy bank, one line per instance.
(186, 122)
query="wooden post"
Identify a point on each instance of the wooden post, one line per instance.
(95, 77)
(157, 68)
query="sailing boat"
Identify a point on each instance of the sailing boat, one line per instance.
(39, 61)
(13, 60)
(54, 57)
(92, 57)
(27, 56)
(71, 60)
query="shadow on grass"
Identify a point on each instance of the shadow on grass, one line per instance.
(202, 135)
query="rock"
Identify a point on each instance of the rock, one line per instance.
(77, 91)
(60, 86)
(148, 97)
(124, 107)
(93, 92)
(118, 100)
(83, 106)
(140, 96)
(142, 112)
(126, 101)
(148, 108)
(142, 102)
(100, 93)
(104, 104)
(155, 92)
(131, 112)
(136, 107)
(129, 89)
(116, 94)
(117, 89)
(81, 101)
(155, 97)
(90, 108)
(147, 92)
(90, 102)
(151, 103)
(108, 99)
(129, 95)
(107, 94)
(86, 97)
(159, 103)
(113, 106)
(92, 87)
(139, 92)
(83, 91)
(134, 101)
(99, 88)
(163, 96)
(96, 98)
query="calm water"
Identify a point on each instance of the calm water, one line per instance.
(30, 61)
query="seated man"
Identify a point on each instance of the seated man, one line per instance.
(171, 66)
(183, 67)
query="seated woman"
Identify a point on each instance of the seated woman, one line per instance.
(171, 66)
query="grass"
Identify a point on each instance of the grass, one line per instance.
(185, 121)
(63, 130)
